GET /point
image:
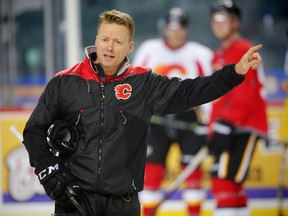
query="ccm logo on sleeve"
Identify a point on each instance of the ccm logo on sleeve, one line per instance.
(46, 172)
(123, 91)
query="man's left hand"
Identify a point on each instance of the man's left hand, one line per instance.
(251, 59)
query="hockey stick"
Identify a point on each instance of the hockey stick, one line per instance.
(190, 168)
(198, 129)
(16, 133)
(68, 191)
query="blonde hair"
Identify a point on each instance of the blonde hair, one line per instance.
(118, 17)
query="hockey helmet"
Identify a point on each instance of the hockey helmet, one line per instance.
(177, 16)
(229, 6)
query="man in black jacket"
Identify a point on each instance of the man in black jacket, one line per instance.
(110, 103)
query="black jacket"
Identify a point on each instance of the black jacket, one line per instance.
(113, 118)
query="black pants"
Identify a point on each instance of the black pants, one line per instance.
(98, 205)
(163, 134)
(240, 152)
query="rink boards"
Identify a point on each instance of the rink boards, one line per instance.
(21, 193)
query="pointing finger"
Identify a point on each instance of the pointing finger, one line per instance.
(254, 49)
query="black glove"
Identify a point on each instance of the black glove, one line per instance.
(56, 179)
(222, 137)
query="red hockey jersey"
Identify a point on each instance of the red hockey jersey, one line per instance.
(245, 105)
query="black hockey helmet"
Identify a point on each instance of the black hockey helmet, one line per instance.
(229, 6)
(177, 16)
(62, 137)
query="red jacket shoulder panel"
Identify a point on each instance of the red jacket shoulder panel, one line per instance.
(81, 69)
(130, 71)
(139, 70)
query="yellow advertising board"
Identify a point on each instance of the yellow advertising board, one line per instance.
(21, 192)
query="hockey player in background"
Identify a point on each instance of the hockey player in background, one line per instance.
(236, 118)
(174, 55)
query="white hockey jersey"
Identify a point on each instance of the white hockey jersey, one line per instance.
(189, 61)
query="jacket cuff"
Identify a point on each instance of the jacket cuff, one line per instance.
(231, 76)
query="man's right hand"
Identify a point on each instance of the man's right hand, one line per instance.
(55, 179)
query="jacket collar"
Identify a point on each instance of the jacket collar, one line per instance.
(92, 49)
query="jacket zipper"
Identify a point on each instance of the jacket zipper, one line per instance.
(101, 75)
(101, 129)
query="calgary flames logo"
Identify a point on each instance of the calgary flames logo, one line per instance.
(123, 91)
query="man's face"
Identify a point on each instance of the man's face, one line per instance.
(223, 25)
(175, 35)
(113, 43)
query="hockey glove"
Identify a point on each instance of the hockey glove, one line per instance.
(222, 137)
(56, 180)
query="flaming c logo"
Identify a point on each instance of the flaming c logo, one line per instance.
(123, 91)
